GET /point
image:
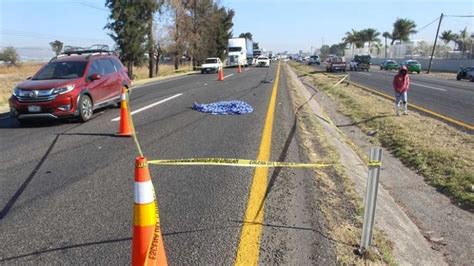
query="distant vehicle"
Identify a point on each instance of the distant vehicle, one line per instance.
(466, 73)
(389, 65)
(239, 51)
(335, 63)
(262, 61)
(314, 60)
(256, 54)
(412, 66)
(212, 64)
(72, 84)
(360, 62)
(299, 59)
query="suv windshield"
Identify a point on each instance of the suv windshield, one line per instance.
(61, 70)
(210, 61)
(235, 49)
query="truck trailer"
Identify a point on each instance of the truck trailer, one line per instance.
(239, 51)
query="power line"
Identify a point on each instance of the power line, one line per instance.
(92, 6)
(460, 16)
(422, 28)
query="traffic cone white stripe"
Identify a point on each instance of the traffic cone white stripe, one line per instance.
(144, 192)
(124, 97)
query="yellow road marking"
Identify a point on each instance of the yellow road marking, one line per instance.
(249, 245)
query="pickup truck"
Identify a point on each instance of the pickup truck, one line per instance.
(335, 63)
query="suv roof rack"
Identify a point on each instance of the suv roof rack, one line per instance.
(96, 48)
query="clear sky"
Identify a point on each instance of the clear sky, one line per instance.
(277, 25)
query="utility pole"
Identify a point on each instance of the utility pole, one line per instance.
(385, 47)
(434, 45)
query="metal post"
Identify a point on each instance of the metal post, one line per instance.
(371, 198)
(434, 45)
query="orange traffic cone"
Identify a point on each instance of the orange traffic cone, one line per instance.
(125, 127)
(220, 74)
(239, 70)
(147, 243)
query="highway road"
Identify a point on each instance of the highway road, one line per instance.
(448, 97)
(66, 189)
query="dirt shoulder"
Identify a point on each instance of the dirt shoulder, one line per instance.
(336, 198)
(443, 226)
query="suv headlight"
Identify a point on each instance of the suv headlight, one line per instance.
(63, 90)
(16, 91)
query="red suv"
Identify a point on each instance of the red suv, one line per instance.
(72, 84)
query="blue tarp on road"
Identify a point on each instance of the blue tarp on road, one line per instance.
(224, 108)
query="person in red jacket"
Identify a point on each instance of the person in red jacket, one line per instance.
(401, 84)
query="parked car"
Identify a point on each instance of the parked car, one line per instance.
(466, 73)
(72, 84)
(412, 66)
(262, 61)
(212, 64)
(314, 60)
(389, 65)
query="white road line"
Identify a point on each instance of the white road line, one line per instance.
(230, 75)
(365, 74)
(247, 69)
(150, 106)
(429, 87)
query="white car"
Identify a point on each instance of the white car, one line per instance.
(212, 64)
(262, 61)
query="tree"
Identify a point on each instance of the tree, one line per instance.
(223, 24)
(57, 46)
(370, 35)
(448, 36)
(150, 7)
(128, 21)
(337, 49)
(402, 28)
(386, 35)
(9, 55)
(324, 50)
(351, 38)
(201, 36)
(462, 39)
(255, 46)
(247, 35)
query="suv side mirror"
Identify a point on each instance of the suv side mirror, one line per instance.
(94, 77)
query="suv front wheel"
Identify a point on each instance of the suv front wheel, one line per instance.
(85, 108)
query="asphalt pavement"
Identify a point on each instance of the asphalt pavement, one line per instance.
(449, 97)
(66, 188)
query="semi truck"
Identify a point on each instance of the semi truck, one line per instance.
(239, 51)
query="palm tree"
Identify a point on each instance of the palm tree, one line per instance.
(461, 40)
(386, 35)
(370, 35)
(402, 28)
(352, 38)
(448, 36)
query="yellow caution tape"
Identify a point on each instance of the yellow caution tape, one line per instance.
(244, 163)
(374, 164)
(238, 162)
